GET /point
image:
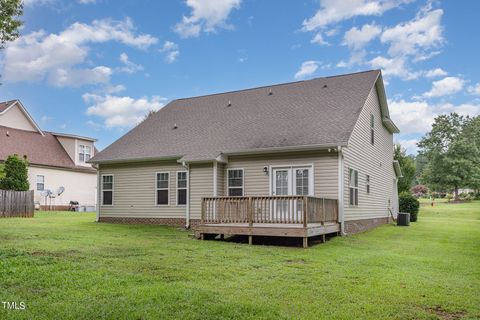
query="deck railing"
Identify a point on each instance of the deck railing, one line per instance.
(269, 209)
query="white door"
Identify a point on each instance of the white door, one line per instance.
(291, 181)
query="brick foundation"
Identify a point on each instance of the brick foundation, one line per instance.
(357, 226)
(176, 222)
(54, 208)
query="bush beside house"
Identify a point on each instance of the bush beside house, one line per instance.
(408, 203)
(15, 174)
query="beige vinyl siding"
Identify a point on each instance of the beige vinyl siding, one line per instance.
(373, 160)
(201, 185)
(134, 190)
(256, 182)
(221, 179)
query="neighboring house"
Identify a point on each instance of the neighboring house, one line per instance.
(263, 155)
(55, 159)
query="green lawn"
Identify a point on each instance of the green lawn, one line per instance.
(65, 266)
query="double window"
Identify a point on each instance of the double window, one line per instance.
(40, 183)
(84, 153)
(372, 129)
(235, 182)
(162, 187)
(353, 187)
(182, 183)
(107, 190)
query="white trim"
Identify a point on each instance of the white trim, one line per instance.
(101, 190)
(236, 187)
(215, 178)
(341, 191)
(177, 188)
(25, 112)
(156, 189)
(187, 210)
(98, 200)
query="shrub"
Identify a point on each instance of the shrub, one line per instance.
(16, 174)
(408, 203)
(449, 197)
(419, 190)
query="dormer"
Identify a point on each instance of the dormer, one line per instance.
(79, 148)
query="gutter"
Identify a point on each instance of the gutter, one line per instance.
(187, 207)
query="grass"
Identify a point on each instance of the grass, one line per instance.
(65, 266)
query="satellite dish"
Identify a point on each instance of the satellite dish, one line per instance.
(45, 193)
(60, 190)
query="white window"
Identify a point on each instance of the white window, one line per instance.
(182, 188)
(235, 182)
(107, 190)
(162, 188)
(40, 182)
(367, 183)
(353, 186)
(85, 153)
(372, 129)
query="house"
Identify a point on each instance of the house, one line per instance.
(55, 159)
(307, 158)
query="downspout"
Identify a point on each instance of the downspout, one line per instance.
(187, 207)
(98, 195)
(341, 218)
(215, 178)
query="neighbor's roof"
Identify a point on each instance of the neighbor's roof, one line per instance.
(5, 104)
(40, 149)
(315, 113)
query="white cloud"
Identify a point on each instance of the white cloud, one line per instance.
(416, 117)
(438, 72)
(356, 38)
(333, 11)
(415, 37)
(170, 49)
(128, 66)
(444, 87)
(306, 69)
(393, 67)
(121, 112)
(409, 144)
(87, 1)
(33, 3)
(318, 39)
(474, 89)
(39, 55)
(67, 77)
(207, 16)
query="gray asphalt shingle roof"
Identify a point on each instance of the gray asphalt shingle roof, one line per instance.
(320, 112)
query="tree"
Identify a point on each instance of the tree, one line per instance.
(2, 171)
(420, 163)
(407, 164)
(419, 190)
(10, 10)
(16, 174)
(452, 149)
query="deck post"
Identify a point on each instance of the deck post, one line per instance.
(323, 211)
(250, 239)
(304, 212)
(250, 211)
(305, 242)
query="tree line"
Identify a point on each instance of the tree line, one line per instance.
(448, 158)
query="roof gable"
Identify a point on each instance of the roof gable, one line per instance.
(8, 106)
(315, 113)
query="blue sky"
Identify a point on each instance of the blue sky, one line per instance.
(96, 67)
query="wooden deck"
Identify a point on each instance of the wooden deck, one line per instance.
(279, 216)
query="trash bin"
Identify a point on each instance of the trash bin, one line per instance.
(403, 219)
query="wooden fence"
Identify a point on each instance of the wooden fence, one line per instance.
(16, 203)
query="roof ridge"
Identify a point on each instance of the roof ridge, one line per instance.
(274, 85)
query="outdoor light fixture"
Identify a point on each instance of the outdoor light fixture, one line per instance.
(265, 170)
